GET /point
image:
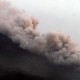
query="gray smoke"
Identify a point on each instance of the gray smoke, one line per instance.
(21, 29)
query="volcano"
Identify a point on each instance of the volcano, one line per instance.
(15, 60)
(18, 63)
(27, 54)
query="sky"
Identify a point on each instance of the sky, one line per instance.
(54, 15)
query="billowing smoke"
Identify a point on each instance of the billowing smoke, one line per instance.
(56, 46)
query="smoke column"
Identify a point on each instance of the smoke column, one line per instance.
(21, 29)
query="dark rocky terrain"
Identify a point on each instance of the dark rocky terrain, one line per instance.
(14, 60)
(17, 63)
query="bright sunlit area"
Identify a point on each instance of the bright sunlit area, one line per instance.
(54, 15)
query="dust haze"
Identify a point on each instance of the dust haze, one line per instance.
(21, 28)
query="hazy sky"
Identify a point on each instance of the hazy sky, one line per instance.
(54, 15)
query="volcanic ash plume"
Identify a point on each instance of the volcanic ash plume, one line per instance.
(19, 27)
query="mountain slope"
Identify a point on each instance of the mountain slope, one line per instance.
(17, 63)
(12, 56)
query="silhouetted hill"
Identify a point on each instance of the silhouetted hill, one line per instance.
(12, 57)
(17, 63)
